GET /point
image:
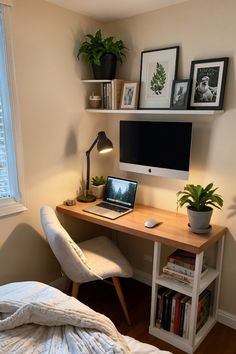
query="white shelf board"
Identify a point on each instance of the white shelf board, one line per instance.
(155, 111)
(184, 288)
(95, 81)
(171, 338)
(180, 342)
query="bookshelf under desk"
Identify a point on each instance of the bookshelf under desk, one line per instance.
(174, 232)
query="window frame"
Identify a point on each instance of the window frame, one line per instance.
(17, 203)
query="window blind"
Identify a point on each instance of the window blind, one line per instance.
(8, 170)
(12, 196)
(4, 174)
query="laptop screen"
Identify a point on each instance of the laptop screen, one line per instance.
(120, 191)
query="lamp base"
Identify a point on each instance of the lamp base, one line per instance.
(86, 198)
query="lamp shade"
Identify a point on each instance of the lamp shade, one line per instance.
(103, 144)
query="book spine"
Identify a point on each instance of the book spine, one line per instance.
(169, 298)
(102, 95)
(178, 276)
(173, 313)
(177, 314)
(113, 94)
(187, 318)
(180, 269)
(163, 316)
(181, 319)
(109, 103)
(203, 309)
(181, 263)
(159, 306)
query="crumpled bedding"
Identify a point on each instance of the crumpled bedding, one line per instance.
(38, 319)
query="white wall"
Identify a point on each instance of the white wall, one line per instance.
(56, 130)
(203, 29)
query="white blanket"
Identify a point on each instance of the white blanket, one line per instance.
(36, 318)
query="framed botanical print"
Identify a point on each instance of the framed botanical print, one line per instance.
(157, 72)
(208, 78)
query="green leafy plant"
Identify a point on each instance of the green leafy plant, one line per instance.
(199, 198)
(158, 80)
(98, 180)
(94, 47)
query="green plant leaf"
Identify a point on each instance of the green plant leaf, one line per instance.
(94, 47)
(199, 197)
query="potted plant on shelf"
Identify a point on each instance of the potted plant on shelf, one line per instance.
(98, 186)
(102, 54)
(199, 201)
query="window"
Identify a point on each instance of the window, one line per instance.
(11, 183)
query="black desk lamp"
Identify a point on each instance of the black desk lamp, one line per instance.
(103, 145)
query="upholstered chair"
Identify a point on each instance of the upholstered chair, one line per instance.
(95, 259)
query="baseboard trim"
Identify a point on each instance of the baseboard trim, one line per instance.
(143, 277)
(226, 318)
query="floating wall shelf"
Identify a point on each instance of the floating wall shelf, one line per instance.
(155, 111)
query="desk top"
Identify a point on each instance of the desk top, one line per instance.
(173, 230)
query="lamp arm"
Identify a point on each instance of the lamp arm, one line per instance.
(88, 164)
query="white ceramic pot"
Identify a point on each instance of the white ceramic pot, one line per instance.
(199, 220)
(98, 191)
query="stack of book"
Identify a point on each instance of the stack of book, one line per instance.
(111, 94)
(173, 311)
(181, 266)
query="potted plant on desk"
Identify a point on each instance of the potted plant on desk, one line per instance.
(199, 201)
(102, 54)
(98, 186)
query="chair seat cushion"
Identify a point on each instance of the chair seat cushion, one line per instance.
(105, 259)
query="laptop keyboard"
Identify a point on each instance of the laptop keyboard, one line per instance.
(117, 208)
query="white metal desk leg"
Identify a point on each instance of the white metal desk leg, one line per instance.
(219, 262)
(194, 307)
(155, 274)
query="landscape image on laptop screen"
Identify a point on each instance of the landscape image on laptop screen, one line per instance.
(120, 191)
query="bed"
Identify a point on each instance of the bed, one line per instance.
(37, 318)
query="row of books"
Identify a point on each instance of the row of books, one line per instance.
(181, 266)
(111, 94)
(173, 311)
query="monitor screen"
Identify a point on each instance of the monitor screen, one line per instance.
(156, 148)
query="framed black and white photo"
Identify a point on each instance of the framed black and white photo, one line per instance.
(129, 96)
(157, 72)
(180, 94)
(208, 83)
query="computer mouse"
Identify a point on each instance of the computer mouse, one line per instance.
(151, 223)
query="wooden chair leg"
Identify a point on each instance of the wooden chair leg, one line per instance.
(119, 292)
(67, 286)
(75, 289)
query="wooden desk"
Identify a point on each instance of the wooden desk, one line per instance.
(173, 232)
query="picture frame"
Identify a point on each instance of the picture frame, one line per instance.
(208, 83)
(129, 95)
(157, 71)
(180, 94)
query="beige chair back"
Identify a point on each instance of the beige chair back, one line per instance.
(68, 253)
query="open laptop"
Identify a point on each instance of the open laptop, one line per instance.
(119, 198)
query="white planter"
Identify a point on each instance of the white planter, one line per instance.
(199, 220)
(98, 191)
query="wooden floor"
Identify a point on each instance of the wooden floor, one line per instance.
(102, 298)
